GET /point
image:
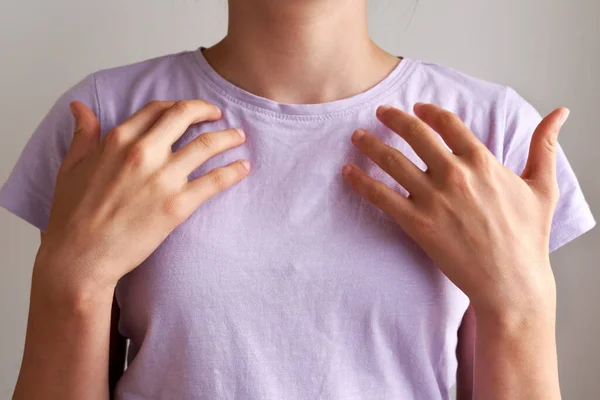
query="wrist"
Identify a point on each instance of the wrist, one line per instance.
(66, 286)
(518, 299)
(515, 354)
(520, 312)
(515, 324)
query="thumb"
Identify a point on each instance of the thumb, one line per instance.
(86, 135)
(540, 169)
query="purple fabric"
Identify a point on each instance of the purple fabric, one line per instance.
(288, 285)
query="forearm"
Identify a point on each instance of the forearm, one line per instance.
(67, 344)
(515, 356)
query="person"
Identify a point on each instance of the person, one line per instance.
(294, 213)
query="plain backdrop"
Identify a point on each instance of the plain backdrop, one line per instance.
(547, 50)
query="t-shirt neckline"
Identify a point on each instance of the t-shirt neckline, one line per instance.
(317, 111)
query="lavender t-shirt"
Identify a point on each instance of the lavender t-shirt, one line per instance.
(289, 285)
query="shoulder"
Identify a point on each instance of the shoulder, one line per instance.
(121, 77)
(494, 111)
(117, 92)
(461, 87)
(160, 68)
(451, 85)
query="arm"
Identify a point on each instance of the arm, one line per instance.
(66, 345)
(488, 230)
(115, 201)
(515, 355)
(497, 356)
(117, 351)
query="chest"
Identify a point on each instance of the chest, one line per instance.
(291, 249)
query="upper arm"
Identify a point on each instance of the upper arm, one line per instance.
(28, 191)
(465, 354)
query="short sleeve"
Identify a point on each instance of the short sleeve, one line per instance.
(29, 189)
(573, 216)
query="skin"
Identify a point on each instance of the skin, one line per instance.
(488, 230)
(118, 197)
(127, 185)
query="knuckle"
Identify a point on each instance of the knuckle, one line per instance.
(446, 118)
(205, 141)
(549, 144)
(174, 207)
(391, 159)
(457, 177)
(115, 138)
(78, 131)
(218, 178)
(480, 159)
(138, 154)
(181, 107)
(376, 194)
(413, 129)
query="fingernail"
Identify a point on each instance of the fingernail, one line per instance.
(382, 109)
(358, 134)
(240, 132)
(75, 113)
(418, 105)
(246, 164)
(346, 170)
(74, 110)
(564, 116)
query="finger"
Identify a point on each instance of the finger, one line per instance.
(204, 147)
(140, 122)
(392, 161)
(178, 118)
(199, 190)
(378, 193)
(450, 127)
(540, 169)
(418, 135)
(85, 137)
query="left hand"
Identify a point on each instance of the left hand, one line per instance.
(485, 227)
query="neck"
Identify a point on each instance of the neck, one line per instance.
(300, 52)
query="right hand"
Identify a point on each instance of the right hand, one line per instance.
(117, 199)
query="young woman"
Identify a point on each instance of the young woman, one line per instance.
(280, 219)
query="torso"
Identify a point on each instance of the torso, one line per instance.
(289, 285)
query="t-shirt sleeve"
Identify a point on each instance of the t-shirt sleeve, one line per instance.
(29, 189)
(573, 216)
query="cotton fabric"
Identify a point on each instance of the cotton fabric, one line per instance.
(289, 285)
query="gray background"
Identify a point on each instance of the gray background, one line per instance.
(547, 50)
